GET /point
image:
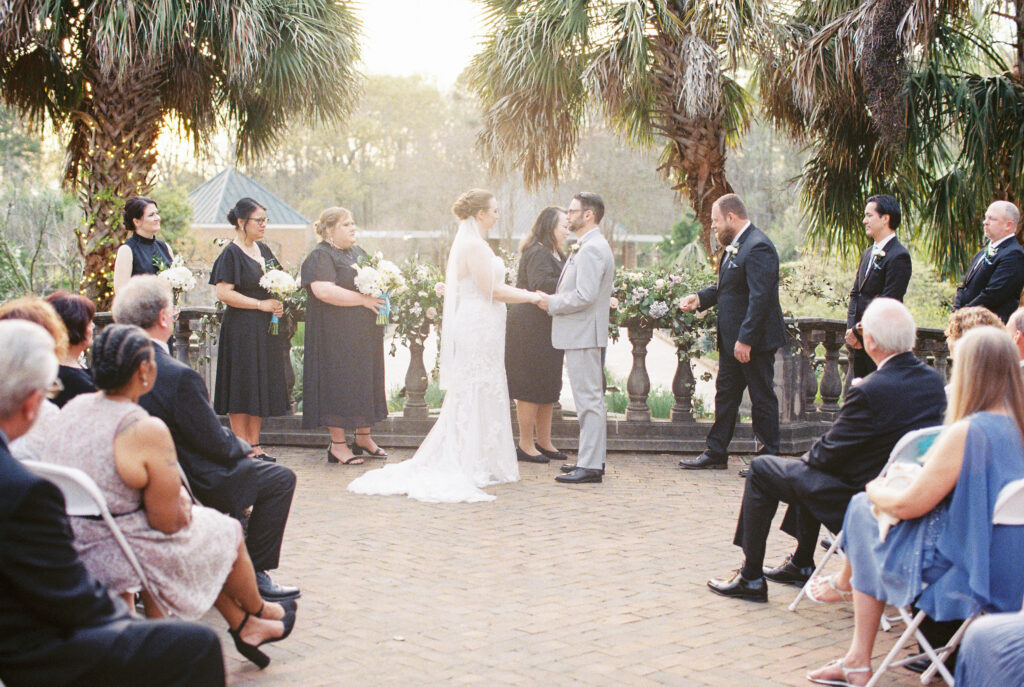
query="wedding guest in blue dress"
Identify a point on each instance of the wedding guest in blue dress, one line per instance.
(992, 653)
(142, 253)
(944, 555)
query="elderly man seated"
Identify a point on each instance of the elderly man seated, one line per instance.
(903, 394)
(58, 625)
(216, 462)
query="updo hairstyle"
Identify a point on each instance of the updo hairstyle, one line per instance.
(135, 208)
(76, 311)
(328, 218)
(242, 210)
(471, 202)
(117, 353)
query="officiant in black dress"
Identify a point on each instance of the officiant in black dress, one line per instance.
(532, 364)
(343, 366)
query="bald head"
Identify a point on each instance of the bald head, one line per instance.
(889, 329)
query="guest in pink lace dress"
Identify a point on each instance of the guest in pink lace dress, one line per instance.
(194, 557)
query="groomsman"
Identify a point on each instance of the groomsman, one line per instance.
(996, 275)
(750, 330)
(884, 270)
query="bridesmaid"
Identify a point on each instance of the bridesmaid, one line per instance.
(251, 376)
(142, 253)
(343, 370)
(532, 364)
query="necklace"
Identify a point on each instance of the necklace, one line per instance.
(253, 253)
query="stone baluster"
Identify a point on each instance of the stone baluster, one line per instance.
(810, 379)
(831, 382)
(182, 334)
(416, 379)
(682, 388)
(639, 383)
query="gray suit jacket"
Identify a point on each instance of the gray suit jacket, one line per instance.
(580, 304)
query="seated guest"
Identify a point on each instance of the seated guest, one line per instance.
(29, 446)
(944, 555)
(58, 625)
(194, 556)
(76, 312)
(965, 319)
(217, 463)
(819, 485)
(1015, 328)
(992, 653)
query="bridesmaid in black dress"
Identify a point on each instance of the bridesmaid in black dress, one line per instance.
(251, 374)
(142, 253)
(532, 364)
(343, 369)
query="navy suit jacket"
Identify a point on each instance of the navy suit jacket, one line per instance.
(887, 277)
(995, 282)
(904, 395)
(47, 597)
(214, 459)
(747, 295)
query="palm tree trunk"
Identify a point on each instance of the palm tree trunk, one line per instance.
(110, 155)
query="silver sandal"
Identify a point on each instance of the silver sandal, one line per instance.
(847, 672)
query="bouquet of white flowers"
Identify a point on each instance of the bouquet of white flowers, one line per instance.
(281, 285)
(379, 278)
(178, 276)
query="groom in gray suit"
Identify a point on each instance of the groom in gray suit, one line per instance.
(580, 307)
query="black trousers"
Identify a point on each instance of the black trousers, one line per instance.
(863, 365)
(144, 653)
(814, 498)
(733, 377)
(265, 531)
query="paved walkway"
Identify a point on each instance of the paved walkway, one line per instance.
(595, 585)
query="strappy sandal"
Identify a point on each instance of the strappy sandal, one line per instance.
(252, 652)
(354, 460)
(847, 672)
(359, 450)
(262, 456)
(845, 595)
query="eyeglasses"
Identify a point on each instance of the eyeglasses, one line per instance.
(262, 221)
(54, 389)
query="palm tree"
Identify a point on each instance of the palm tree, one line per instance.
(921, 100)
(658, 70)
(109, 76)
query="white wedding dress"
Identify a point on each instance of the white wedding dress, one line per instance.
(470, 446)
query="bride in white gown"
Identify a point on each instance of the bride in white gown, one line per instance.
(470, 446)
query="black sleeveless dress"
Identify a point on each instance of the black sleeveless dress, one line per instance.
(149, 256)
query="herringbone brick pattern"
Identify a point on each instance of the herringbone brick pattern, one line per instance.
(594, 585)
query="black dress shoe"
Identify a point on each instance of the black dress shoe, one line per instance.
(553, 455)
(524, 457)
(739, 588)
(744, 472)
(271, 591)
(826, 542)
(581, 476)
(705, 461)
(787, 573)
(569, 467)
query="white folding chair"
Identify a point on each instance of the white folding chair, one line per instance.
(910, 448)
(1009, 510)
(83, 498)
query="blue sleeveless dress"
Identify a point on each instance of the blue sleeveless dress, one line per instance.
(953, 561)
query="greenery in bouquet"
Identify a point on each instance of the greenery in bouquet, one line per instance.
(379, 278)
(285, 288)
(418, 306)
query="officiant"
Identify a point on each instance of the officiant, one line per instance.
(750, 330)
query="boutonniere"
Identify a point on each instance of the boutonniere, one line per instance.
(990, 251)
(574, 248)
(877, 260)
(732, 250)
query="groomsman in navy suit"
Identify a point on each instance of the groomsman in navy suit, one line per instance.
(884, 270)
(750, 330)
(996, 275)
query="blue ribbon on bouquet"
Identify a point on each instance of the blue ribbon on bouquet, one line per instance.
(273, 325)
(385, 312)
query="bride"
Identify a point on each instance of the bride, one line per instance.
(470, 445)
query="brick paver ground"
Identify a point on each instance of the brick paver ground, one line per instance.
(594, 585)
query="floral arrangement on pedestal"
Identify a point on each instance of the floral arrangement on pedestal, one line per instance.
(380, 278)
(418, 306)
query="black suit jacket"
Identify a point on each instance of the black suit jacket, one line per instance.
(887, 277)
(996, 282)
(214, 459)
(47, 597)
(904, 395)
(747, 295)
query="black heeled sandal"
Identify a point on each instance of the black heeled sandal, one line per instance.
(263, 456)
(253, 653)
(360, 450)
(331, 458)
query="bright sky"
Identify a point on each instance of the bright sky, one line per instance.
(436, 38)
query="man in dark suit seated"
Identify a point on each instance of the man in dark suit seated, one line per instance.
(903, 394)
(996, 274)
(884, 270)
(58, 625)
(217, 463)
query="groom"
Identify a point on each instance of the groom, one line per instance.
(580, 307)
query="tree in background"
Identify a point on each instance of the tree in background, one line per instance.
(922, 100)
(109, 76)
(656, 69)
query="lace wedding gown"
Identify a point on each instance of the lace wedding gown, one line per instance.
(470, 446)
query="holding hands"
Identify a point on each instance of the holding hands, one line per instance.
(542, 300)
